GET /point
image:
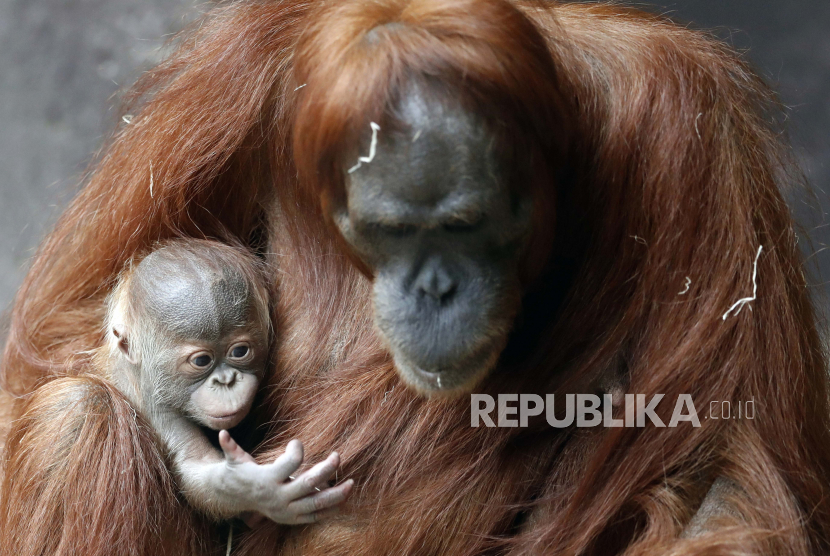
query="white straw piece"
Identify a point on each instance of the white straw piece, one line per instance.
(743, 301)
(687, 285)
(372, 148)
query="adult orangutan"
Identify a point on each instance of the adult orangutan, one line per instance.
(454, 196)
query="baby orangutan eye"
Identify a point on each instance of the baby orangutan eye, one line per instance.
(201, 360)
(240, 351)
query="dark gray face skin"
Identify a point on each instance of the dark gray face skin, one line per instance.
(213, 346)
(433, 217)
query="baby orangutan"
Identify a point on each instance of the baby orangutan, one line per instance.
(187, 332)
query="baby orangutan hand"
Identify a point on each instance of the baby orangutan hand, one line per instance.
(271, 490)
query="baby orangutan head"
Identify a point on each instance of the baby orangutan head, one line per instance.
(190, 327)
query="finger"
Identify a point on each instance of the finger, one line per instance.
(233, 451)
(329, 498)
(288, 462)
(316, 516)
(315, 477)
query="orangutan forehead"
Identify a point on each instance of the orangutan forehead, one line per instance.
(190, 298)
(200, 309)
(436, 157)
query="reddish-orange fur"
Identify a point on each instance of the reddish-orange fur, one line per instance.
(107, 490)
(668, 141)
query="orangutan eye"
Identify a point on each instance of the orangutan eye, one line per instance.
(201, 360)
(392, 230)
(240, 351)
(458, 225)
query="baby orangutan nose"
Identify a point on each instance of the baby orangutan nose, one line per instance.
(224, 377)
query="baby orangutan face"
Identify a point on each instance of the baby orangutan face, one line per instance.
(224, 376)
(199, 334)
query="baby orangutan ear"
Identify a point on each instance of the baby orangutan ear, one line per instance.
(120, 332)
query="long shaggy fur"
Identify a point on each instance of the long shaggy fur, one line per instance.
(666, 166)
(84, 475)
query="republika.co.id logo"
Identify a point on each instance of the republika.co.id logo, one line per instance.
(589, 410)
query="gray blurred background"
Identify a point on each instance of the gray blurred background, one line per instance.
(63, 63)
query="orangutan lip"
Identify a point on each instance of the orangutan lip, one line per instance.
(434, 373)
(432, 377)
(224, 417)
